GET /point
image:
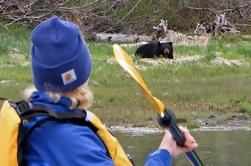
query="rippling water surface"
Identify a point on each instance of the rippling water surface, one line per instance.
(216, 148)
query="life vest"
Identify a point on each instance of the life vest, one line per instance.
(13, 115)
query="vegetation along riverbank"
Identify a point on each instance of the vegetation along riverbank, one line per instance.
(211, 89)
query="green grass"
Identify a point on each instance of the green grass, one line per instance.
(13, 38)
(193, 89)
(189, 50)
(246, 107)
(230, 47)
(18, 73)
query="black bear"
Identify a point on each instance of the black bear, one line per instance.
(152, 50)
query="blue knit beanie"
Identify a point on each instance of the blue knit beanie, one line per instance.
(60, 57)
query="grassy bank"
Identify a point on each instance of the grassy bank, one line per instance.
(193, 89)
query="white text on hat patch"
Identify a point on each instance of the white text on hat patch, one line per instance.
(68, 76)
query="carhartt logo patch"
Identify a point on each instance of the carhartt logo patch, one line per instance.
(69, 76)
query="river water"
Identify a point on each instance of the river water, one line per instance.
(216, 148)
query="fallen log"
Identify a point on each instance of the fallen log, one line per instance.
(120, 37)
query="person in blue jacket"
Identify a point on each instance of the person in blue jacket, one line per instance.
(61, 67)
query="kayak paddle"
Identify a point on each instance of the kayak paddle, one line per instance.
(166, 118)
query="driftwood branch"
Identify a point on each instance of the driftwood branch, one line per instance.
(219, 26)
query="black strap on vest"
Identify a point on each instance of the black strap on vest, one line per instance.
(27, 110)
(77, 117)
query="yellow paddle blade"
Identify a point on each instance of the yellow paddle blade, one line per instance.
(127, 64)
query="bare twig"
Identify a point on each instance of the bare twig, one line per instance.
(81, 7)
(243, 25)
(130, 11)
(199, 8)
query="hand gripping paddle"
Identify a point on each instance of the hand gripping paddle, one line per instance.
(166, 118)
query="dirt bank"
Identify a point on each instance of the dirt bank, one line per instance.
(234, 122)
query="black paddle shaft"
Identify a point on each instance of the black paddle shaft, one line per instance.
(169, 121)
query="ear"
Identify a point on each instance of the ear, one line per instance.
(171, 43)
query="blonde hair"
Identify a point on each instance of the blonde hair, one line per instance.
(81, 96)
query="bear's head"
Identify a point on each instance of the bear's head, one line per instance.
(166, 49)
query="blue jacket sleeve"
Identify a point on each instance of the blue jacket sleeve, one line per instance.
(160, 157)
